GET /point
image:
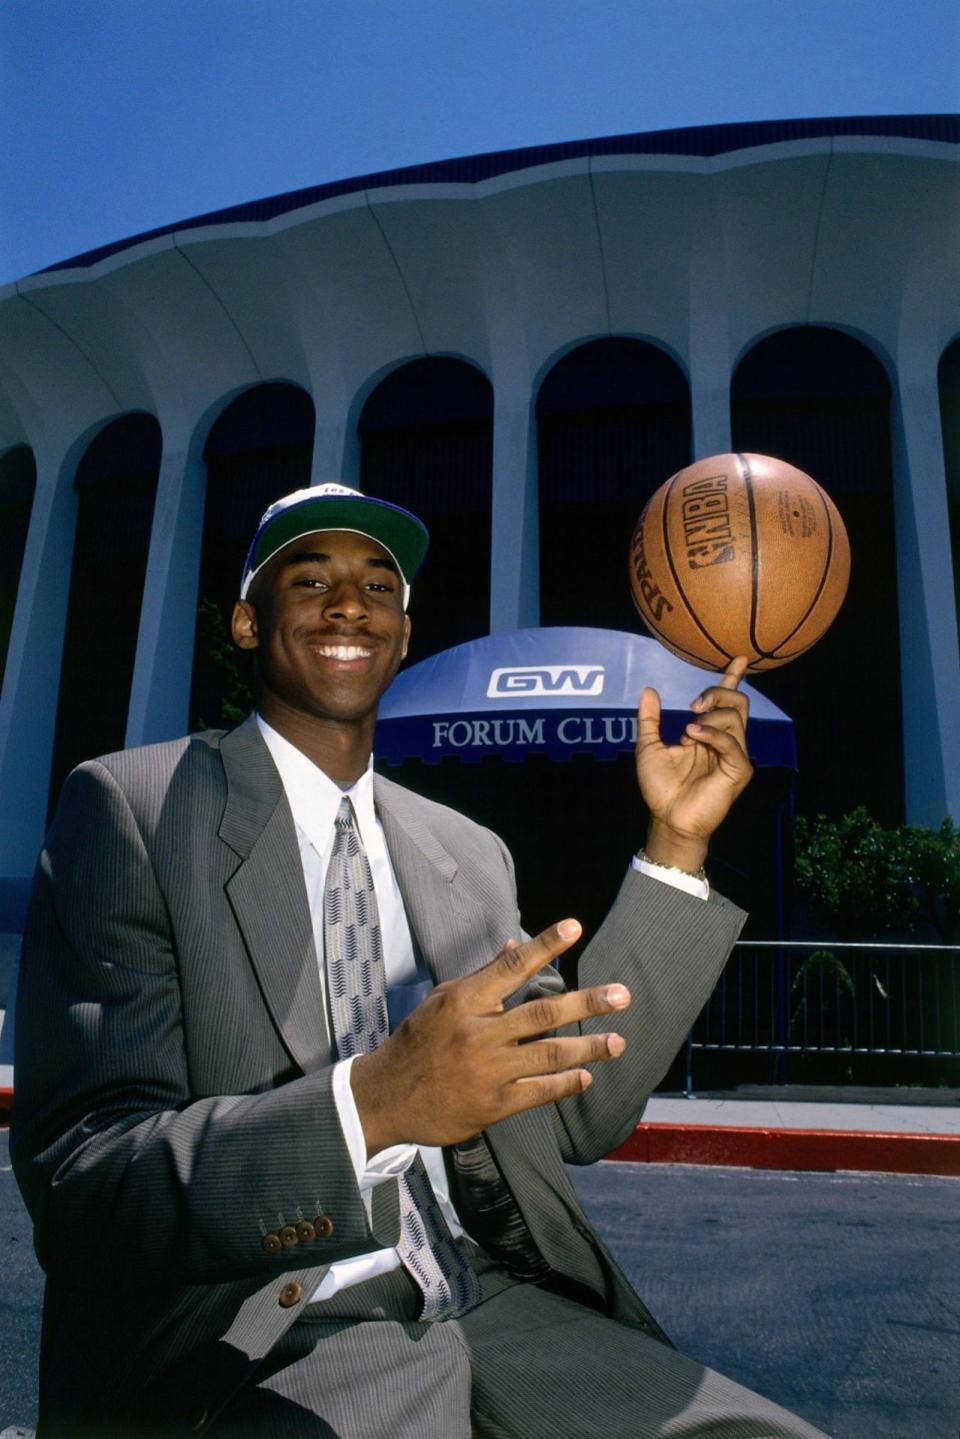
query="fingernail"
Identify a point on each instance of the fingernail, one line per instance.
(586, 1079)
(616, 996)
(568, 928)
(615, 1044)
(697, 728)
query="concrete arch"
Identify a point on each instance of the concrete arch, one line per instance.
(203, 423)
(869, 342)
(655, 342)
(376, 378)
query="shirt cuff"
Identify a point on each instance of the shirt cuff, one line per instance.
(369, 1171)
(679, 878)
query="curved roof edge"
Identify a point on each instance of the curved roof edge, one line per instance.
(702, 140)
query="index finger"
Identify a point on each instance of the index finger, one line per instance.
(517, 963)
(648, 715)
(733, 673)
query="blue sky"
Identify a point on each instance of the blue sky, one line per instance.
(119, 115)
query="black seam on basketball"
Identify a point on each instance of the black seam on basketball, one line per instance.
(823, 580)
(747, 479)
(668, 642)
(795, 654)
(673, 570)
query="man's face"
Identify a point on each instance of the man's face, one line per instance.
(326, 619)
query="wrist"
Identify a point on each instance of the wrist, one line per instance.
(367, 1089)
(666, 847)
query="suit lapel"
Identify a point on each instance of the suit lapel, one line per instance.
(267, 887)
(446, 921)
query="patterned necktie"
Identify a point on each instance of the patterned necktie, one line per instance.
(356, 988)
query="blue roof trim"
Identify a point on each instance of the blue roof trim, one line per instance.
(703, 140)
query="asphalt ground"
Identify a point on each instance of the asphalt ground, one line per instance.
(836, 1294)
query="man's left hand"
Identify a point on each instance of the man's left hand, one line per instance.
(689, 787)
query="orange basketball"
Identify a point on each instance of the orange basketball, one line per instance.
(739, 555)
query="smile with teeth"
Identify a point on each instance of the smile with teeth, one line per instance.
(343, 652)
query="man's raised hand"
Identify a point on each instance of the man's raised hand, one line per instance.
(689, 787)
(461, 1061)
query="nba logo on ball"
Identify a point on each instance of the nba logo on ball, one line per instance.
(739, 555)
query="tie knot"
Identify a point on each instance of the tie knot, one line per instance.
(344, 819)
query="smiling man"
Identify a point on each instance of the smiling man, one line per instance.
(295, 1093)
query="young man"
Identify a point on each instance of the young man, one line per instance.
(294, 1091)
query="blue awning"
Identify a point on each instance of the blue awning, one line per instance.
(556, 692)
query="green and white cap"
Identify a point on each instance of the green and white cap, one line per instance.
(337, 507)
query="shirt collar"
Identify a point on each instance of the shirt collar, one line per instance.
(314, 798)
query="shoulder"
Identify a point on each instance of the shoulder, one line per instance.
(455, 831)
(405, 801)
(132, 769)
(143, 779)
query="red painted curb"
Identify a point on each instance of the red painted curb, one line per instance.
(820, 1150)
(814, 1149)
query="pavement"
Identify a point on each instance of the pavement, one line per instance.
(887, 1131)
(834, 1294)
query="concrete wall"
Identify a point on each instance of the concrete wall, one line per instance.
(701, 256)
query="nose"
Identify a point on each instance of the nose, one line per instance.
(346, 600)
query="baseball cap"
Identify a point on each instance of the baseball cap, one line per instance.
(337, 507)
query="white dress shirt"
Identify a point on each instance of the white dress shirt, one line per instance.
(314, 800)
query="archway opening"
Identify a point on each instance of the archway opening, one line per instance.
(426, 443)
(116, 484)
(613, 422)
(259, 449)
(819, 399)
(18, 480)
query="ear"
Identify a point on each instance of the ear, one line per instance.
(406, 636)
(243, 625)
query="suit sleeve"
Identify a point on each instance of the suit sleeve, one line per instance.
(129, 1177)
(668, 948)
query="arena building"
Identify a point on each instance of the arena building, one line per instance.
(521, 347)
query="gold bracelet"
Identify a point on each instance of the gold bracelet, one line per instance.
(700, 874)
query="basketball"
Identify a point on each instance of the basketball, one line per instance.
(739, 555)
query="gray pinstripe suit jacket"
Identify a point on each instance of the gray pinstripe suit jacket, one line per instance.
(173, 1071)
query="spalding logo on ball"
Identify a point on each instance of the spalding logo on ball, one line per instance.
(739, 555)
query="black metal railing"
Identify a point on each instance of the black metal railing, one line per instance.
(812, 997)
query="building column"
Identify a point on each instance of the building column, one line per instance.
(336, 454)
(709, 412)
(31, 682)
(163, 669)
(515, 528)
(929, 655)
(709, 350)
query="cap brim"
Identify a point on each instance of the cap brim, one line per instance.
(396, 529)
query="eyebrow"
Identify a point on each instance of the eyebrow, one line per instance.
(303, 557)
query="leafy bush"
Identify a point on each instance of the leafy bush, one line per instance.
(933, 857)
(862, 878)
(855, 874)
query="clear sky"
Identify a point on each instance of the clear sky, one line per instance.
(120, 115)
